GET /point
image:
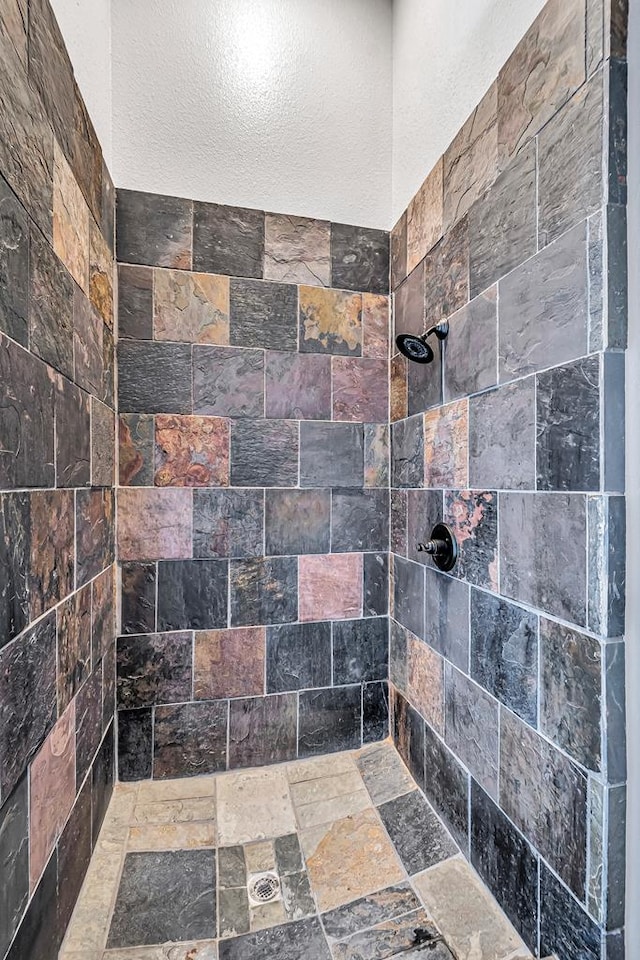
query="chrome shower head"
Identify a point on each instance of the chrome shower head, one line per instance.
(416, 348)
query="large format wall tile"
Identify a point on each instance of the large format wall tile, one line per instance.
(502, 437)
(297, 250)
(74, 645)
(360, 650)
(26, 424)
(298, 656)
(297, 386)
(264, 453)
(424, 217)
(471, 348)
(263, 314)
(471, 161)
(359, 258)
(154, 230)
(407, 453)
(471, 728)
(192, 594)
(14, 850)
(360, 390)
(446, 626)
(154, 524)
(345, 466)
(425, 682)
(228, 382)
(187, 307)
(228, 523)
(228, 240)
(190, 739)
(135, 301)
(191, 451)
(359, 520)
(446, 449)
(263, 591)
(154, 378)
(408, 594)
(229, 663)
(330, 322)
(473, 516)
(566, 930)
(331, 587)
(262, 730)
(50, 307)
(154, 669)
(446, 274)
(329, 720)
(70, 221)
(297, 521)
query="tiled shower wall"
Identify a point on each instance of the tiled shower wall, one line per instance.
(507, 676)
(57, 445)
(253, 506)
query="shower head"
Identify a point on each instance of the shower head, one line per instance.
(416, 348)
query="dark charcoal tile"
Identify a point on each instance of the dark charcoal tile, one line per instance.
(359, 258)
(408, 594)
(27, 699)
(613, 416)
(359, 520)
(50, 307)
(297, 521)
(108, 366)
(416, 832)
(407, 731)
(446, 273)
(398, 655)
(470, 353)
(409, 306)
(298, 656)
(329, 720)
(14, 266)
(303, 940)
(424, 383)
(263, 591)
(407, 453)
(138, 586)
(614, 681)
(39, 936)
(545, 795)
(368, 911)
(232, 867)
(297, 897)
(95, 533)
(73, 435)
(568, 426)
(74, 855)
(264, 314)
(376, 585)
(571, 692)
(51, 546)
(288, 855)
(228, 382)
(88, 723)
(165, 896)
(264, 453)
(375, 711)
(360, 650)
(298, 386)
(401, 934)
(473, 517)
(471, 727)
(446, 784)
(135, 744)
(446, 626)
(552, 580)
(14, 856)
(504, 653)
(108, 688)
(154, 669)
(502, 225)
(153, 229)
(26, 422)
(74, 645)
(506, 863)
(135, 302)
(102, 781)
(616, 85)
(228, 240)
(345, 466)
(424, 510)
(566, 930)
(262, 730)
(502, 437)
(233, 911)
(154, 377)
(227, 523)
(606, 565)
(190, 739)
(398, 243)
(90, 337)
(192, 594)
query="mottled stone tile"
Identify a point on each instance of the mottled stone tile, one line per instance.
(359, 258)
(424, 217)
(408, 733)
(502, 224)
(376, 320)
(154, 524)
(297, 386)
(154, 230)
(375, 711)
(135, 744)
(154, 378)
(298, 656)
(190, 307)
(191, 451)
(345, 467)
(108, 394)
(359, 520)
(409, 304)
(101, 272)
(264, 453)
(154, 668)
(27, 421)
(199, 950)
(446, 274)
(570, 180)
(330, 322)
(384, 775)
(50, 306)
(606, 565)
(27, 698)
(228, 523)
(409, 935)
(233, 911)
(297, 250)
(446, 627)
(303, 940)
(254, 805)
(15, 535)
(360, 389)
(103, 437)
(398, 252)
(425, 682)
(138, 597)
(330, 586)
(471, 727)
(398, 522)
(416, 831)
(74, 645)
(408, 594)
(135, 302)
(70, 221)
(565, 927)
(446, 450)
(14, 849)
(471, 161)
(424, 510)
(192, 594)
(398, 389)
(13, 22)
(136, 448)
(296, 895)
(470, 355)
(229, 663)
(95, 534)
(228, 240)
(195, 835)
(51, 549)
(554, 581)
(424, 383)
(446, 785)
(89, 339)
(544, 794)
(407, 452)
(263, 591)
(73, 435)
(502, 437)
(323, 799)
(473, 517)
(375, 598)
(376, 454)
(263, 314)
(504, 653)
(262, 730)
(190, 739)
(360, 650)
(329, 720)
(297, 521)
(14, 266)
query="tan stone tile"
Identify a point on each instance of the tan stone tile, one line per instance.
(172, 836)
(190, 307)
(100, 275)
(425, 681)
(90, 921)
(319, 767)
(260, 856)
(331, 319)
(467, 915)
(385, 775)
(254, 805)
(115, 826)
(349, 858)
(267, 915)
(184, 789)
(175, 811)
(70, 221)
(446, 446)
(197, 950)
(326, 799)
(424, 217)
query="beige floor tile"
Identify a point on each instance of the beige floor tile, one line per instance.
(385, 775)
(183, 789)
(267, 915)
(316, 767)
(467, 915)
(254, 805)
(200, 950)
(172, 836)
(175, 811)
(331, 808)
(260, 856)
(90, 921)
(349, 858)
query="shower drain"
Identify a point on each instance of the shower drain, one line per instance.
(264, 887)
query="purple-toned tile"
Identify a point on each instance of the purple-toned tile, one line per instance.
(360, 390)
(154, 524)
(191, 451)
(298, 386)
(331, 587)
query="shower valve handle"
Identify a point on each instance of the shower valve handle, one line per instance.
(442, 547)
(435, 548)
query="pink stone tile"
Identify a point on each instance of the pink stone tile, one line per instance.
(375, 326)
(330, 586)
(229, 663)
(154, 524)
(52, 790)
(192, 451)
(425, 681)
(360, 390)
(446, 446)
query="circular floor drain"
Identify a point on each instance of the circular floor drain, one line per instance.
(264, 887)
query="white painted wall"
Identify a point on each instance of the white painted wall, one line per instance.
(446, 55)
(86, 28)
(280, 104)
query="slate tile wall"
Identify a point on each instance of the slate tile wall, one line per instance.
(253, 499)
(57, 456)
(503, 674)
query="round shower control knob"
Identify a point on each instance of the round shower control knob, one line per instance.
(442, 547)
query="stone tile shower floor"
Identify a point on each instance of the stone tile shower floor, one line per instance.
(366, 870)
